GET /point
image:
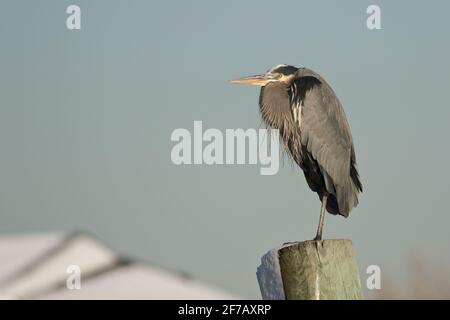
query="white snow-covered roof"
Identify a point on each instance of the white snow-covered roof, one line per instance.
(34, 266)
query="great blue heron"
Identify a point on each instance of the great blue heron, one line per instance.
(315, 133)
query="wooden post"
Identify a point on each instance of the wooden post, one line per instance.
(310, 270)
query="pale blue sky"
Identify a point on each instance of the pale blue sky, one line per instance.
(86, 118)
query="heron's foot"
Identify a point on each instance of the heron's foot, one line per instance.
(318, 238)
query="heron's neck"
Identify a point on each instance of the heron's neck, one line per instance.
(274, 105)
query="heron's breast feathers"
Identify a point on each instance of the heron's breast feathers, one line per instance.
(296, 105)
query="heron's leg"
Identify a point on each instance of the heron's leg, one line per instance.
(322, 215)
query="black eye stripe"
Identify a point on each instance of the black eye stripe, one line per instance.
(286, 70)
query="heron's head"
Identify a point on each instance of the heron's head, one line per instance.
(279, 73)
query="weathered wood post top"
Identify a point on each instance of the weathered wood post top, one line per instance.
(310, 270)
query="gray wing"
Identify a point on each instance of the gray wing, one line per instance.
(326, 135)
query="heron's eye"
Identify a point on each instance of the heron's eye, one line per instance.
(278, 75)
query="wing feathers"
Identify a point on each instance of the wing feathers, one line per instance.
(326, 134)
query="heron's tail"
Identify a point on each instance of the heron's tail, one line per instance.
(347, 195)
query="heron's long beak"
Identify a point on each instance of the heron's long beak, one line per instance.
(259, 80)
